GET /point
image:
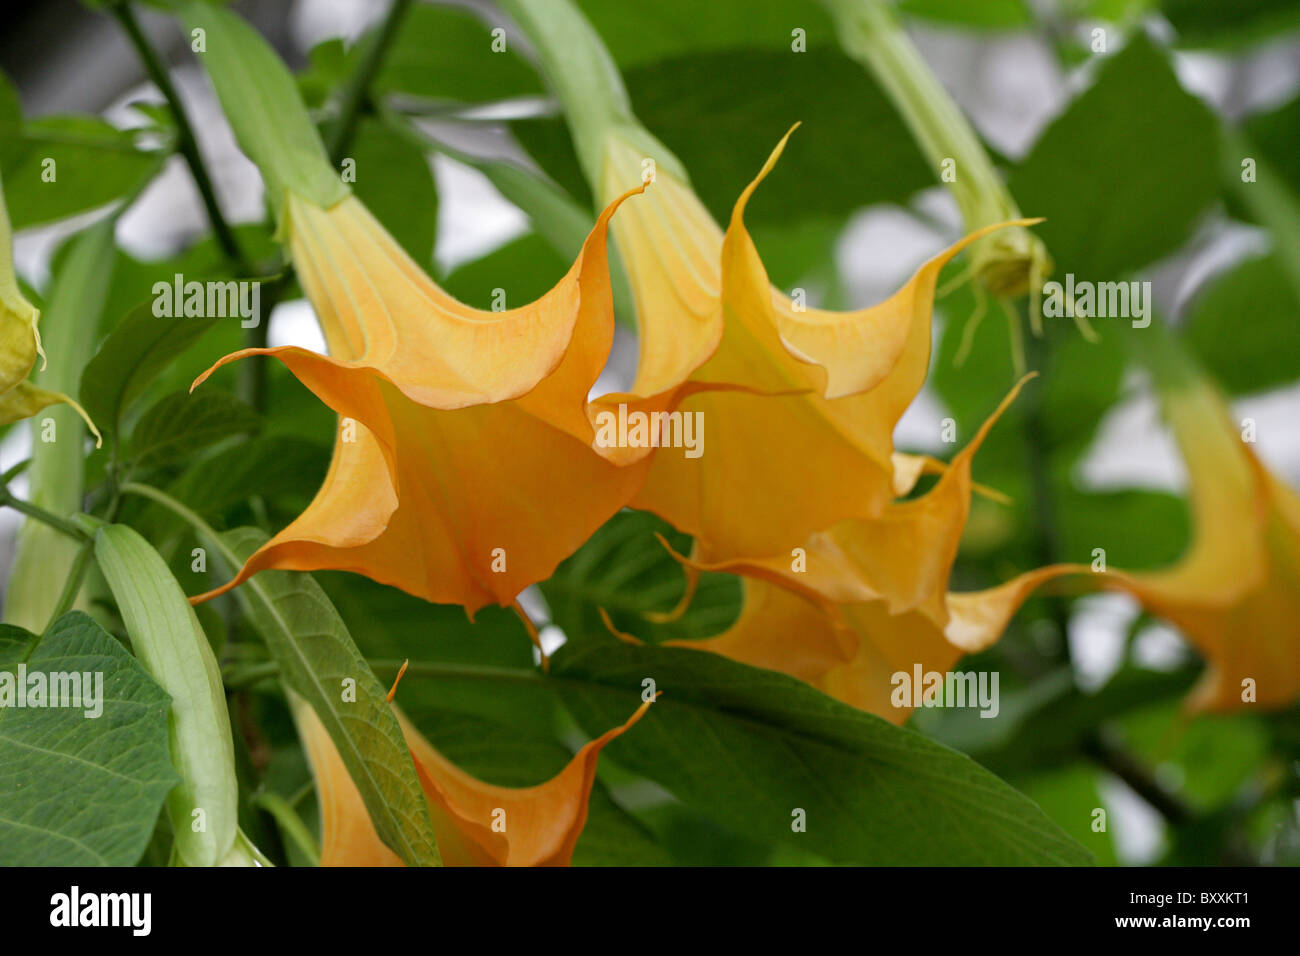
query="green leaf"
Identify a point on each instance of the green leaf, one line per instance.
(749, 747)
(180, 424)
(1272, 132)
(1254, 354)
(1139, 529)
(1106, 217)
(79, 791)
(389, 624)
(396, 184)
(269, 466)
(138, 349)
(169, 642)
(681, 27)
(829, 166)
(1229, 23)
(261, 100)
(465, 66)
(988, 14)
(319, 661)
(92, 163)
(526, 268)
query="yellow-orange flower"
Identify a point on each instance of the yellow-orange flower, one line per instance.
(799, 405)
(476, 823)
(464, 470)
(869, 598)
(1235, 594)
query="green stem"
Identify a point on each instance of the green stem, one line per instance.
(68, 595)
(14, 472)
(252, 381)
(290, 823)
(586, 81)
(357, 90)
(1010, 261)
(192, 518)
(186, 143)
(40, 514)
(254, 673)
(44, 556)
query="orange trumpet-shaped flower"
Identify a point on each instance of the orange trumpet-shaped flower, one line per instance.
(802, 415)
(1236, 592)
(869, 598)
(464, 469)
(476, 823)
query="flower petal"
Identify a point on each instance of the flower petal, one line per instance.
(476, 823)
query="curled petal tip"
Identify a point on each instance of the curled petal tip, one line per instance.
(623, 636)
(198, 599)
(392, 691)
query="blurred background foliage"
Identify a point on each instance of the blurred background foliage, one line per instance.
(1131, 155)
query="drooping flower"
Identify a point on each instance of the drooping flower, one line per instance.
(464, 469)
(799, 404)
(1235, 594)
(20, 344)
(868, 599)
(476, 823)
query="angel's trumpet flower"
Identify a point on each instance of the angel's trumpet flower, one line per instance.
(465, 468)
(476, 823)
(868, 599)
(1235, 594)
(800, 404)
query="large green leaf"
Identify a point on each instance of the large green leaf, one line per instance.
(685, 26)
(319, 661)
(1229, 23)
(525, 269)
(445, 53)
(57, 166)
(78, 790)
(134, 352)
(1121, 187)
(396, 184)
(182, 423)
(829, 167)
(261, 100)
(464, 663)
(750, 747)
(1243, 327)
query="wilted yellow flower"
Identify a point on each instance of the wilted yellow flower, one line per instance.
(476, 823)
(20, 344)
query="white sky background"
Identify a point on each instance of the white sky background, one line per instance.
(1011, 88)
